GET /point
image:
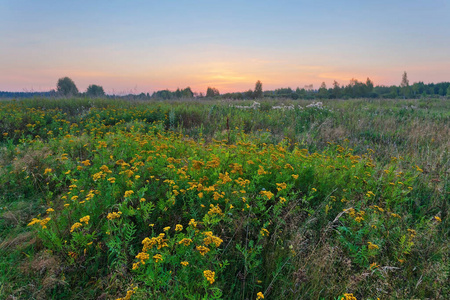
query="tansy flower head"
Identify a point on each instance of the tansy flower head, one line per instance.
(209, 275)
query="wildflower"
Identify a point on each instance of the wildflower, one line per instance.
(282, 200)
(48, 170)
(211, 239)
(86, 162)
(264, 232)
(114, 215)
(142, 256)
(50, 210)
(281, 186)
(349, 297)
(314, 189)
(294, 176)
(192, 223)
(259, 296)
(75, 226)
(135, 266)
(112, 179)
(85, 219)
(185, 241)
(437, 219)
(184, 263)
(214, 210)
(373, 265)
(372, 246)
(157, 257)
(268, 194)
(166, 228)
(178, 227)
(203, 250)
(128, 194)
(209, 275)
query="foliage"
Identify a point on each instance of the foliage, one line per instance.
(258, 93)
(209, 201)
(95, 91)
(66, 87)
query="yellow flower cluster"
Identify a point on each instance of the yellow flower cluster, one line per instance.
(202, 250)
(42, 222)
(75, 226)
(129, 294)
(159, 241)
(372, 246)
(209, 275)
(349, 297)
(185, 241)
(259, 296)
(85, 219)
(211, 239)
(128, 194)
(114, 215)
(215, 210)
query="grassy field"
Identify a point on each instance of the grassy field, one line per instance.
(108, 199)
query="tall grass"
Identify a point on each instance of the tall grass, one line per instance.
(347, 198)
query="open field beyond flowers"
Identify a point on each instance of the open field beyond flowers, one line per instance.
(107, 199)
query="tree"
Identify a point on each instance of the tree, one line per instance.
(323, 92)
(336, 90)
(66, 86)
(448, 92)
(404, 85)
(258, 90)
(95, 91)
(212, 92)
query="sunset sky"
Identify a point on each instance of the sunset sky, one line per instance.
(145, 46)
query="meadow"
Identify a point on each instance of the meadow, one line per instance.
(217, 199)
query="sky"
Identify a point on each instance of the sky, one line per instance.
(144, 46)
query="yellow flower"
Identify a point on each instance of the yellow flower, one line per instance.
(142, 200)
(142, 256)
(372, 246)
(128, 194)
(157, 257)
(209, 275)
(264, 232)
(349, 297)
(86, 162)
(112, 179)
(314, 189)
(166, 228)
(192, 223)
(259, 296)
(48, 170)
(178, 227)
(185, 241)
(184, 263)
(50, 210)
(114, 215)
(85, 219)
(294, 176)
(75, 226)
(203, 250)
(437, 219)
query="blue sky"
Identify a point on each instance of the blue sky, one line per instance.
(143, 46)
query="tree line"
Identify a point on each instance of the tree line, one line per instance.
(354, 89)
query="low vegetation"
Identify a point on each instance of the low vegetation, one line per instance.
(114, 199)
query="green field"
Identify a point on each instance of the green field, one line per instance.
(108, 199)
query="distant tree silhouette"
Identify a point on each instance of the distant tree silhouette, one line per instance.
(258, 90)
(95, 91)
(211, 92)
(66, 86)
